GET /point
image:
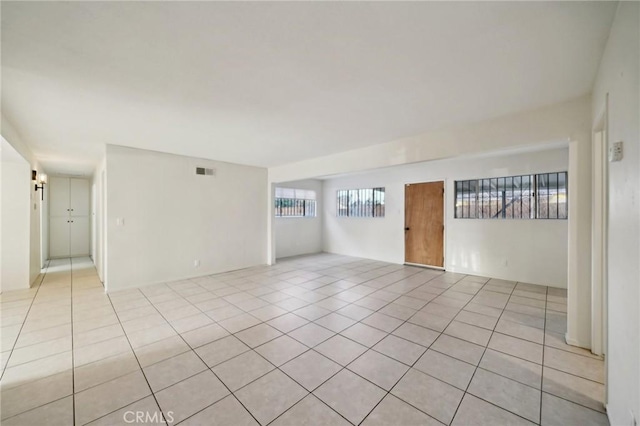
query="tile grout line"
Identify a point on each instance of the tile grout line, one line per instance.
(341, 370)
(72, 372)
(276, 367)
(201, 360)
(139, 365)
(427, 348)
(544, 336)
(483, 353)
(332, 311)
(51, 375)
(6, 365)
(368, 348)
(345, 366)
(460, 309)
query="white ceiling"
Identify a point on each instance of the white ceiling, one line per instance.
(270, 83)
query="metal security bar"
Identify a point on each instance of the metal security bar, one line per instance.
(540, 196)
(367, 202)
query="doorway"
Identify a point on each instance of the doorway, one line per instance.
(424, 224)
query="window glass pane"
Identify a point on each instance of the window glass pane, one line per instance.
(485, 199)
(553, 195)
(465, 199)
(562, 195)
(526, 197)
(542, 196)
(500, 197)
(509, 197)
(473, 192)
(380, 209)
(341, 202)
(458, 201)
(352, 202)
(494, 198)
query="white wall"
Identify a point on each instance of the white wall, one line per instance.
(44, 228)
(300, 235)
(98, 236)
(34, 233)
(535, 250)
(15, 177)
(619, 77)
(173, 217)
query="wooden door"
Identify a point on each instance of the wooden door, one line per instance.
(424, 223)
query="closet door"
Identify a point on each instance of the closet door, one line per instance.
(58, 196)
(59, 221)
(59, 243)
(79, 203)
(79, 240)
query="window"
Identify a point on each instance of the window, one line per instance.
(541, 196)
(360, 202)
(292, 202)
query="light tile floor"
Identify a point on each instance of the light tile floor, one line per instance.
(316, 340)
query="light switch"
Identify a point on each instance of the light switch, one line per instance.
(120, 221)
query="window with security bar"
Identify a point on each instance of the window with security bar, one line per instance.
(367, 202)
(291, 202)
(538, 196)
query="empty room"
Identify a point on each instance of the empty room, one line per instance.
(320, 213)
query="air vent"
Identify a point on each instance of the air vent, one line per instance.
(205, 172)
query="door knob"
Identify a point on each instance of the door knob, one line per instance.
(406, 229)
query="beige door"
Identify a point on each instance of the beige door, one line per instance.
(424, 223)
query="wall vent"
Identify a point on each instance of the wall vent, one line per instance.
(205, 172)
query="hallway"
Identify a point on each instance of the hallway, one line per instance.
(321, 339)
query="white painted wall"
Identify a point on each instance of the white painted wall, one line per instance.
(535, 250)
(98, 235)
(15, 221)
(579, 274)
(619, 77)
(33, 235)
(173, 216)
(44, 228)
(300, 235)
